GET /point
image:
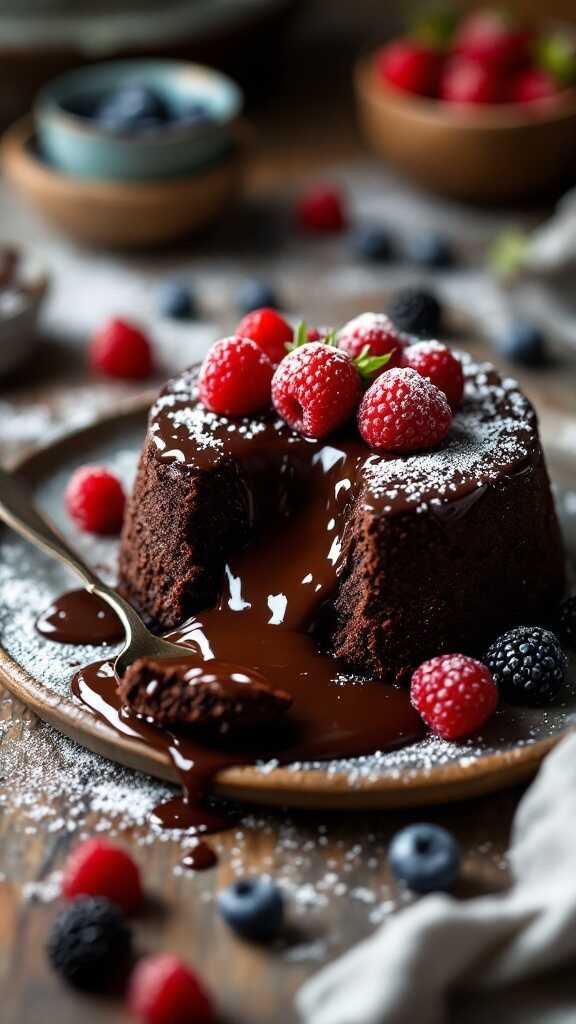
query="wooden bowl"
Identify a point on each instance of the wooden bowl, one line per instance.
(117, 214)
(489, 154)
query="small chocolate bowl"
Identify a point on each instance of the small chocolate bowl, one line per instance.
(491, 154)
(89, 125)
(23, 288)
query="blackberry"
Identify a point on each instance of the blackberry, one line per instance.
(416, 311)
(567, 622)
(90, 944)
(528, 665)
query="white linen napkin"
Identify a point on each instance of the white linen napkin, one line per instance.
(408, 972)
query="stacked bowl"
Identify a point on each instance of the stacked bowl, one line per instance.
(130, 153)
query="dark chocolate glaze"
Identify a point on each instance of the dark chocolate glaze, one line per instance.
(492, 436)
(78, 617)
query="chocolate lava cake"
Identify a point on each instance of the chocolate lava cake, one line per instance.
(388, 559)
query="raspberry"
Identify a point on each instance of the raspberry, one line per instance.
(531, 85)
(163, 990)
(317, 333)
(435, 361)
(402, 411)
(491, 38)
(322, 208)
(235, 377)
(316, 388)
(90, 944)
(375, 331)
(529, 665)
(98, 868)
(467, 82)
(454, 694)
(95, 500)
(269, 330)
(409, 66)
(120, 349)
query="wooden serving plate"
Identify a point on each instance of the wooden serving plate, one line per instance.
(431, 772)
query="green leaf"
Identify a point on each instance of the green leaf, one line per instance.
(434, 26)
(556, 54)
(300, 337)
(508, 253)
(368, 365)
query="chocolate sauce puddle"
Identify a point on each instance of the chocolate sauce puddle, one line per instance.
(270, 616)
(78, 617)
(265, 620)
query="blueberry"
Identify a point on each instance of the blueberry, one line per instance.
(253, 294)
(426, 858)
(132, 108)
(176, 301)
(90, 944)
(431, 249)
(253, 907)
(524, 343)
(372, 243)
(194, 112)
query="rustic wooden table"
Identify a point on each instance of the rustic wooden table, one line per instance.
(336, 865)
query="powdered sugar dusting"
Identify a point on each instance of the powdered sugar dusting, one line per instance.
(492, 433)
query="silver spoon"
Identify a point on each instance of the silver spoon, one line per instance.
(18, 510)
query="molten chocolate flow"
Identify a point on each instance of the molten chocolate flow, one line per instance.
(276, 594)
(78, 617)
(265, 619)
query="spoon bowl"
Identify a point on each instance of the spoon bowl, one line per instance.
(19, 512)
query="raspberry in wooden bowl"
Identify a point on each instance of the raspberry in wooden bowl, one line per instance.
(483, 109)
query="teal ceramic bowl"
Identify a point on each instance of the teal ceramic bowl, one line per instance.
(74, 141)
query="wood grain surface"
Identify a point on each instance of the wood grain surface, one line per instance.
(308, 129)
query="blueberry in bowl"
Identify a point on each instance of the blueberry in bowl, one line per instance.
(137, 120)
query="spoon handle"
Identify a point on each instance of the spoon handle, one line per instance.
(18, 511)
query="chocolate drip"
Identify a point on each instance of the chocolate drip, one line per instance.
(201, 857)
(78, 617)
